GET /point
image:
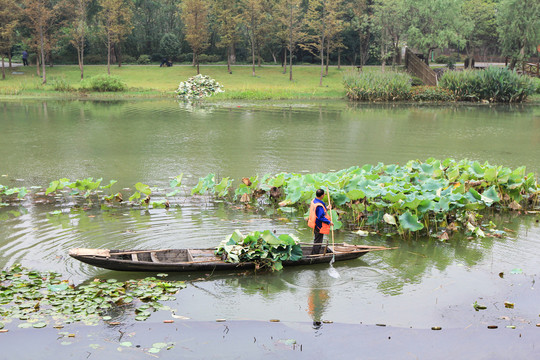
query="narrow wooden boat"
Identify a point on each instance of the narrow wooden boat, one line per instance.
(174, 260)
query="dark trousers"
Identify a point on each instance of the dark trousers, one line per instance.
(25, 62)
(317, 241)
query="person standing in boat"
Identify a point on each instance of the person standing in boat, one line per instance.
(319, 220)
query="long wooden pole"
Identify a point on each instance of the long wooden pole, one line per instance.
(330, 203)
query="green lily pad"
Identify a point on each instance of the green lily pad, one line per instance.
(154, 350)
(126, 344)
(39, 325)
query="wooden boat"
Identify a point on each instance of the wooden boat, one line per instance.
(174, 260)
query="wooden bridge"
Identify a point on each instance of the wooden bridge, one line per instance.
(420, 69)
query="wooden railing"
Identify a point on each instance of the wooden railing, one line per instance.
(420, 68)
(531, 69)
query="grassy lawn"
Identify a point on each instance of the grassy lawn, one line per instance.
(153, 81)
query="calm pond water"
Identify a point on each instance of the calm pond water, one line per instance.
(424, 283)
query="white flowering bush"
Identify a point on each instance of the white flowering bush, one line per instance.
(198, 87)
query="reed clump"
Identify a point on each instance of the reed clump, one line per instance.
(492, 84)
(377, 86)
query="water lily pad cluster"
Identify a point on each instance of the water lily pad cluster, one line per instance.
(39, 297)
(417, 195)
(198, 87)
(265, 249)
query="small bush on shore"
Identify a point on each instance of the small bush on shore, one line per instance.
(61, 84)
(492, 84)
(103, 83)
(377, 86)
(431, 93)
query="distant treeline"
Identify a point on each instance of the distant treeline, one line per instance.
(356, 32)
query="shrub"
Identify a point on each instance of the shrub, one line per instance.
(128, 59)
(169, 46)
(431, 93)
(377, 86)
(416, 81)
(60, 84)
(197, 87)
(442, 59)
(103, 83)
(536, 84)
(143, 60)
(492, 84)
(204, 58)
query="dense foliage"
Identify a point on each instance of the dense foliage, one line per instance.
(103, 83)
(377, 86)
(364, 31)
(264, 249)
(493, 85)
(39, 298)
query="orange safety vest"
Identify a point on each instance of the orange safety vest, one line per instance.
(325, 229)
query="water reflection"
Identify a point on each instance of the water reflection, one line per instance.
(151, 141)
(317, 302)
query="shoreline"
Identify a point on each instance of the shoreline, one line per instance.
(153, 82)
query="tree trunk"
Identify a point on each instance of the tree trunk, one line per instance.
(290, 65)
(197, 61)
(339, 59)
(285, 60)
(42, 43)
(229, 60)
(109, 55)
(327, 57)
(274, 57)
(322, 60)
(37, 64)
(253, 57)
(80, 56)
(9, 59)
(3, 70)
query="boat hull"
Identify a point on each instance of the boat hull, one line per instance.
(182, 260)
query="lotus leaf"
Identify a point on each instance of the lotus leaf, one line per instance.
(389, 219)
(410, 222)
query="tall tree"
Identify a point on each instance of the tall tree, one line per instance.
(40, 14)
(9, 19)
(389, 21)
(479, 28)
(317, 19)
(115, 21)
(228, 18)
(78, 29)
(434, 24)
(519, 28)
(361, 16)
(290, 15)
(334, 28)
(194, 14)
(253, 15)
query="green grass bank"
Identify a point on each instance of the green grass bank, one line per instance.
(269, 82)
(152, 81)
